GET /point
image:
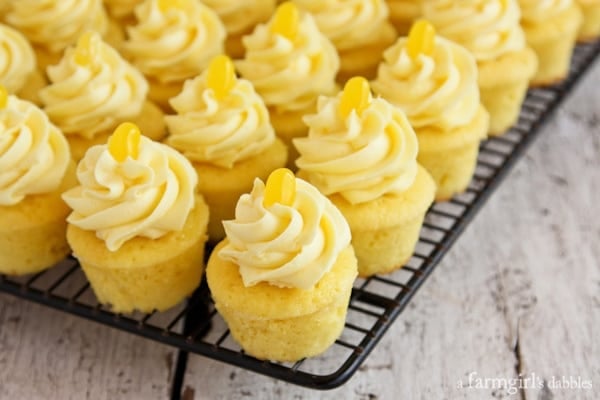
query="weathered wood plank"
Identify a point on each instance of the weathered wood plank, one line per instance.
(46, 354)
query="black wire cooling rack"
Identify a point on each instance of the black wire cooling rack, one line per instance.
(195, 327)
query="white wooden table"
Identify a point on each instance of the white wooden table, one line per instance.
(519, 293)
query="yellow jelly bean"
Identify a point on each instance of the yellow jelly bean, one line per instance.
(356, 96)
(3, 97)
(221, 76)
(280, 188)
(165, 5)
(125, 142)
(286, 21)
(421, 39)
(84, 51)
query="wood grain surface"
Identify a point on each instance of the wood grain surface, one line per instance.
(518, 295)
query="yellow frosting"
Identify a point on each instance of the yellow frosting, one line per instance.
(348, 24)
(176, 41)
(536, 11)
(240, 16)
(17, 59)
(436, 91)
(55, 24)
(34, 154)
(290, 244)
(290, 74)
(487, 28)
(148, 196)
(93, 89)
(363, 156)
(220, 130)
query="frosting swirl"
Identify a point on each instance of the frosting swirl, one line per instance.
(241, 16)
(175, 43)
(437, 90)
(17, 59)
(361, 157)
(285, 245)
(487, 28)
(55, 25)
(93, 96)
(535, 11)
(290, 74)
(348, 24)
(149, 196)
(34, 154)
(219, 131)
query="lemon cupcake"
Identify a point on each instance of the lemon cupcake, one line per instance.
(358, 29)
(173, 41)
(137, 227)
(551, 29)
(403, 13)
(18, 66)
(240, 18)
(53, 25)
(282, 278)
(290, 63)
(223, 127)
(35, 168)
(362, 153)
(434, 81)
(490, 30)
(92, 90)
(590, 27)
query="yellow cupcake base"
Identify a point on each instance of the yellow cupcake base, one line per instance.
(150, 121)
(590, 28)
(553, 42)
(403, 13)
(222, 187)
(282, 324)
(503, 84)
(385, 231)
(36, 81)
(450, 157)
(144, 274)
(364, 60)
(33, 232)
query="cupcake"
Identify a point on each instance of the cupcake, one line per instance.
(551, 29)
(434, 81)
(92, 90)
(173, 41)
(240, 18)
(137, 227)
(53, 25)
(490, 30)
(358, 29)
(282, 277)
(18, 66)
(35, 168)
(222, 126)
(290, 63)
(362, 154)
(590, 27)
(403, 13)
